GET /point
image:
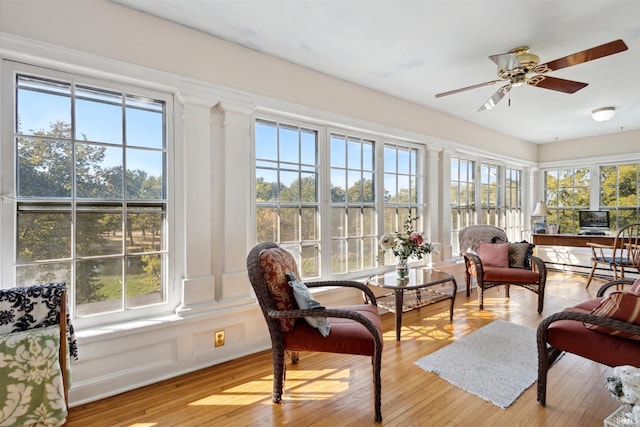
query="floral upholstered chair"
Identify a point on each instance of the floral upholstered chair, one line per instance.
(297, 323)
(35, 340)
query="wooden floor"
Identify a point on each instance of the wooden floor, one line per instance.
(336, 390)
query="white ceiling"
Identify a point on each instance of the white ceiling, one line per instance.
(413, 49)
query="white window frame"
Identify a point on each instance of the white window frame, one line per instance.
(324, 136)
(9, 202)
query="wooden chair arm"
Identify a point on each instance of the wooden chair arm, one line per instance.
(473, 259)
(598, 245)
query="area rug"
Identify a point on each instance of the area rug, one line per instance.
(497, 362)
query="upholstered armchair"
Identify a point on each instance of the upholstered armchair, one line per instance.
(35, 341)
(605, 329)
(355, 329)
(493, 261)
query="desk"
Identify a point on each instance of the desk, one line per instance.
(575, 240)
(417, 290)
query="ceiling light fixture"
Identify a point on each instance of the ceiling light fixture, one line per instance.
(603, 114)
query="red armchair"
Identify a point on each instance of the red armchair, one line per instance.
(354, 329)
(606, 332)
(519, 268)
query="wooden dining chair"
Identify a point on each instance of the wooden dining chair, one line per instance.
(623, 255)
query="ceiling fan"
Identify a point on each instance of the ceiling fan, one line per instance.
(517, 65)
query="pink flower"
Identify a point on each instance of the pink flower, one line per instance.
(416, 237)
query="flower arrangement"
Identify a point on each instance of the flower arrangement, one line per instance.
(405, 245)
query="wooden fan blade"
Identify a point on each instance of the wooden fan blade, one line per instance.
(451, 92)
(495, 98)
(554, 83)
(506, 61)
(601, 51)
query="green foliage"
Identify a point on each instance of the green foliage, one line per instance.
(46, 163)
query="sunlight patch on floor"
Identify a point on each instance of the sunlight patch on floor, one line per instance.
(314, 384)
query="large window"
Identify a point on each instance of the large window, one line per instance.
(353, 209)
(489, 194)
(329, 205)
(619, 193)
(513, 210)
(287, 208)
(90, 187)
(566, 193)
(463, 207)
(401, 178)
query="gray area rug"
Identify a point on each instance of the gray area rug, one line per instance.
(497, 363)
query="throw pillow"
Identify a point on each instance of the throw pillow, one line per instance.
(275, 263)
(635, 288)
(305, 301)
(619, 305)
(494, 254)
(32, 391)
(519, 254)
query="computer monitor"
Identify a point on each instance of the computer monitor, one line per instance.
(594, 220)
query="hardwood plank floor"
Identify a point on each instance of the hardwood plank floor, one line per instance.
(335, 390)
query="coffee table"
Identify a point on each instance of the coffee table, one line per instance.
(422, 287)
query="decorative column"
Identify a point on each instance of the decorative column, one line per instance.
(236, 207)
(444, 204)
(192, 192)
(432, 196)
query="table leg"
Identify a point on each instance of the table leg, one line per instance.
(399, 293)
(453, 297)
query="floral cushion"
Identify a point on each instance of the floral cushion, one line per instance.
(32, 307)
(619, 305)
(494, 254)
(31, 390)
(275, 264)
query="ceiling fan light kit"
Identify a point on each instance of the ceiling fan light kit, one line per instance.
(603, 114)
(516, 66)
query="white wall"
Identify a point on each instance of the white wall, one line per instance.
(217, 87)
(621, 144)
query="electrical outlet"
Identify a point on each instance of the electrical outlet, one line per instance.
(219, 339)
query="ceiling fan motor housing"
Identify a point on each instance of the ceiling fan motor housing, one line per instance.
(528, 62)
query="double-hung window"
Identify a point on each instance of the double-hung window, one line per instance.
(463, 194)
(513, 209)
(620, 193)
(401, 178)
(88, 187)
(489, 194)
(567, 192)
(286, 191)
(353, 209)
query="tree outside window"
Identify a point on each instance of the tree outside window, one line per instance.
(91, 193)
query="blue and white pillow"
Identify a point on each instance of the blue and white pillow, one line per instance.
(305, 301)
